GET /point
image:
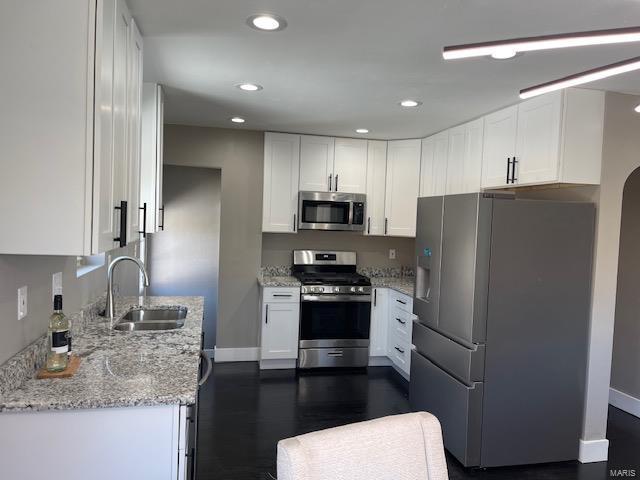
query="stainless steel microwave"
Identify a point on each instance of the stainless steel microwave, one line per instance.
(331, 211)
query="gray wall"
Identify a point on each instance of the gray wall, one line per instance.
(239, 155)
(183, 259)
(625, 368)
(35, 271)
(372, 251)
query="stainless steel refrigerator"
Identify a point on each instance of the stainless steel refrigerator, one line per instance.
(503, 290)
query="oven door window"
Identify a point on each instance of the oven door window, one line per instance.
(318, 211)
(334, 320)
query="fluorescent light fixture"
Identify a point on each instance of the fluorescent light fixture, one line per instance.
(249, 87)
(503, 53)
(362, 130)
(267, 22)
(410, 103)
(637, 109)
(546, 42)
(237, 119)
(583, 77)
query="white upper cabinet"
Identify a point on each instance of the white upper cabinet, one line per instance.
(281, 172)
(499, 145)
(350, 165)
(557, 138)
(433, 165)
(376, 185)
(74, 183)
(151, 156)
(134, 106)
(538, 139)
(403, 184)
(316, 163)
(464, 164)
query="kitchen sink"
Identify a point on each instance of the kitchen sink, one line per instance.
(152, 318)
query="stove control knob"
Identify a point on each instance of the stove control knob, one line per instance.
(353, 289)
(361, 289)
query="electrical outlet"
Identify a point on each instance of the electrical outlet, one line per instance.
(392, 253)
(56, 284)
(22, 302)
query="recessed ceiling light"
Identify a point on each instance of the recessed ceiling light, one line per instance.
(410, 103)
(237, 119)
(503, 53)
(249, 87)
(362, 130)
(267, 22)
(637, 109)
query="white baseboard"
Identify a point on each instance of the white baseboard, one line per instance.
(278, 364)
(247, 354)
(624, 402)
(593, 450)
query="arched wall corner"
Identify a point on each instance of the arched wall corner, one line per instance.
(620, 157)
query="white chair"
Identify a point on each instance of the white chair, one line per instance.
(399, 447)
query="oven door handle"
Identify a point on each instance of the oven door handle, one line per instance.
(336, 298)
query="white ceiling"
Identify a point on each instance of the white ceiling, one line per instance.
(344, 64)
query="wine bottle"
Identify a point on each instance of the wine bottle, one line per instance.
(57, 358)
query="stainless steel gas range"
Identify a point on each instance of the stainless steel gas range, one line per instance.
(335, 310)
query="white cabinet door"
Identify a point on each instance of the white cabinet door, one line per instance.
(151, 154)
(403, 183)
(280, 331)
(134, 102)
(538, 139)
(379, 323)
(499, 146)
(316, 163)
(104, 225)
(472, 163)
(455, 160)
(376, 184)
(433, 167)
(281, 171)
(350, 165)
(120, 113)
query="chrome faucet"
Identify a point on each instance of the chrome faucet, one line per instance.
(110, 308)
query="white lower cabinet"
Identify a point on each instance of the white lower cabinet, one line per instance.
(379, 323)
(400, 323)
(159, 434)
(280, 320)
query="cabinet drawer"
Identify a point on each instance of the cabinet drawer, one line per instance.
(400, 323)
(281, 295)
(458, 406)
(401, 301)
(400, 353)
(462, 362)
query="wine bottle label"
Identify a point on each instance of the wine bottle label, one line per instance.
(59, 342)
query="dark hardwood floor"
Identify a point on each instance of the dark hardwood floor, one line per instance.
(244, 412)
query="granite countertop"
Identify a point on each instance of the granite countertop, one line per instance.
(123, 369)
(400, 284)
(278, 281)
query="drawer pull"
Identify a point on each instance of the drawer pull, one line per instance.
(335, 354)
(401, 301)
(287, 295)
(399, 349)
(401, 321)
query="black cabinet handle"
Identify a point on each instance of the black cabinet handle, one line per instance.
(122, 239)
(266, 314)
(375, 297)
(401, 321)
(336, 182)
(330, 178)
(513, 170)
(399, 349)
(401, 301)
(144, 220)
(285, 295)
(368, 224)
(386, 224)
(508, 170)
(161, 226)
(294, 222)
